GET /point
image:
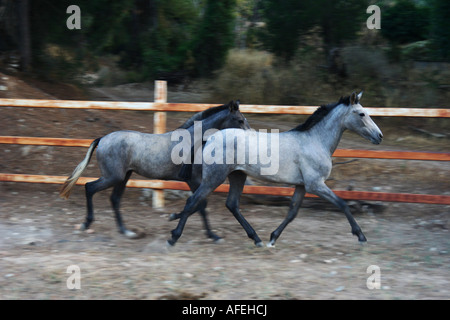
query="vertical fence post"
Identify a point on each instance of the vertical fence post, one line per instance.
(159, 126)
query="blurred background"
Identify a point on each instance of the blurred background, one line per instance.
(263, 51)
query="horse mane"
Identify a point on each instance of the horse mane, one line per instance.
(203, 115)
(319, 114)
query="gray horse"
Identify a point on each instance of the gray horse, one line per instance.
(121, 153)
(304, 160)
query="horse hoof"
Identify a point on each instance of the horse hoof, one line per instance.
(271, 244)
(360, 235)
(219, 240)
(80, 227)
(130, 234)
(259, 244)
(170, 243)
(173, 216)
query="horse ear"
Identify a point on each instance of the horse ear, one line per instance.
(230, 105)
(360, 95)
(353, 99)
(233, 105)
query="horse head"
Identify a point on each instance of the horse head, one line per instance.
(359, 121)
(234, 119)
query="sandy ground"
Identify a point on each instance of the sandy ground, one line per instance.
(315, 258)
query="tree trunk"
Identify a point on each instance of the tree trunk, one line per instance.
(24, 35)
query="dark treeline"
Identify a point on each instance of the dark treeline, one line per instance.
(179, 38)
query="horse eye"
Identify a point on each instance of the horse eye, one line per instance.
(362, 114)
(241, 121)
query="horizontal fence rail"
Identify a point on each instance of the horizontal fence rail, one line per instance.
(262, 190)
(160, 107)
(342, 153)
(196, 107)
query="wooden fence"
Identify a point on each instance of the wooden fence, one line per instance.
(160, 106)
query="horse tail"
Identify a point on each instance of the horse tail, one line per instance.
(70, 182)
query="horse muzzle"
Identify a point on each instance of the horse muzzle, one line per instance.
(376, 138)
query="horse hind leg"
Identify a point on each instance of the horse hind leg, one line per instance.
(115, 198)
(237, 181)
(92, 188)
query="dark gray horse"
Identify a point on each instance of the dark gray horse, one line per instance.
(121, 153)
(301, 157)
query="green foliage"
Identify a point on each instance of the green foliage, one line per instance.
(152, 37)
(214, 36)
(288, 20)
(256, 78)
(440, 28)
(405, 22)
(418, 51)
(339, 20)
(48, 27)
(285, 20)
(166, 48)
(171, 39)
(155, 38)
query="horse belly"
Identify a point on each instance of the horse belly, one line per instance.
(285, 178)
(160, 174)
(283, 175)
(155, 167)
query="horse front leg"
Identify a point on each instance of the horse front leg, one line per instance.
(195, 202)
(321, 190)
(194, 183)
(209, 233)
(202, 211)
(237, 181)
(178, 231)
(294, 206)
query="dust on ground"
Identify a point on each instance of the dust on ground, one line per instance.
(316, 257)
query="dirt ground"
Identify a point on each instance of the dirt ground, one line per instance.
(315, 258)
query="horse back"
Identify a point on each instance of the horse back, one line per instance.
(144, 153)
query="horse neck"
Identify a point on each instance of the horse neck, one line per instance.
(330, 129)
(214, 121)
